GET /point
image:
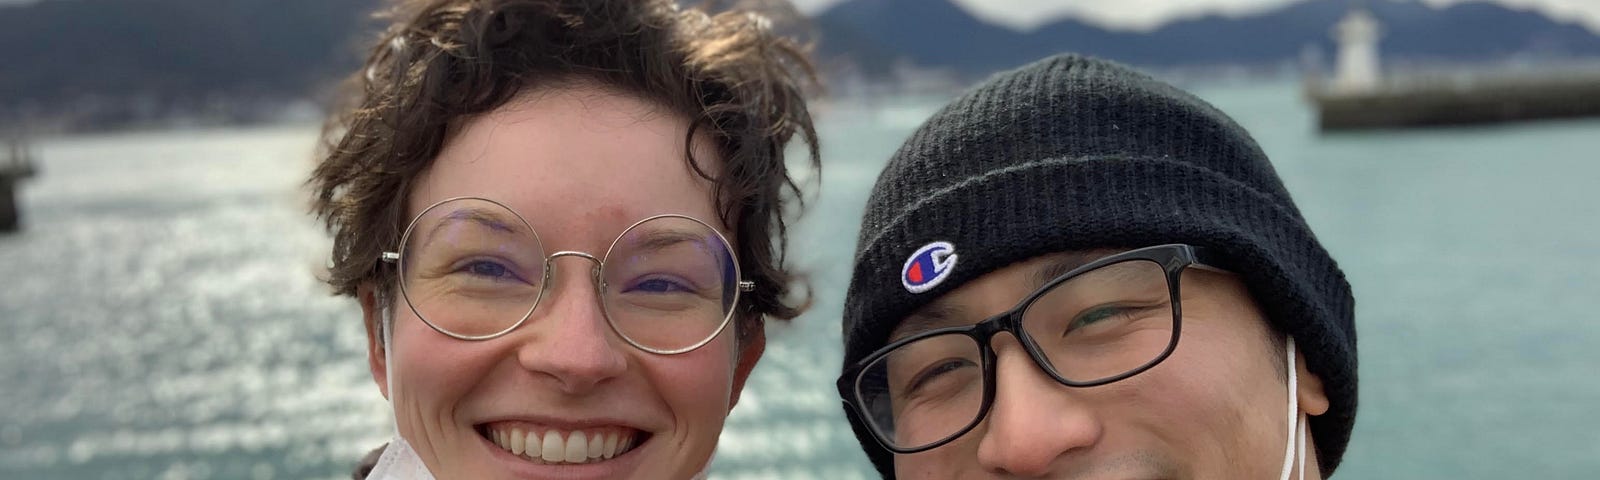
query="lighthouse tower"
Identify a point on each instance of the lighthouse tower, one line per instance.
(1357, 34)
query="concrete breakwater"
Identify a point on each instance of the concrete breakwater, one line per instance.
(1458, 100)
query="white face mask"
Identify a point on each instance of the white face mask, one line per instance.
(399, 461)
(1295, 451)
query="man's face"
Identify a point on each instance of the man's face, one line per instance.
(1215, 409)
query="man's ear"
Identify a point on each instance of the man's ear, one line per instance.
(751, 345)
(372, 316)
(1313, 399)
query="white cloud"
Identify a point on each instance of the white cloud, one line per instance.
(1124, 14)
(1147, 14)
(808, 6)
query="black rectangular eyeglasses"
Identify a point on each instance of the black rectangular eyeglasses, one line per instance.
(1105, 321)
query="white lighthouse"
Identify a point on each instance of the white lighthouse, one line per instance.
(1357, 35)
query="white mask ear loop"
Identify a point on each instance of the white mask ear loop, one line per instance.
(1300, 452)
(1295, 428)
(398, 461)
(386, 329)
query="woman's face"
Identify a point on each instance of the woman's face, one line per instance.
(580, 164)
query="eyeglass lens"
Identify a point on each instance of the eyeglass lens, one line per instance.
(1096, 325)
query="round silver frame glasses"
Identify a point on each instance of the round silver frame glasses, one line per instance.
(596, 277)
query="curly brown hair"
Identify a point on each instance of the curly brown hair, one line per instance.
(442, 62)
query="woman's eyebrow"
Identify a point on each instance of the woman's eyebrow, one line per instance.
(662, 239)
(477, 215)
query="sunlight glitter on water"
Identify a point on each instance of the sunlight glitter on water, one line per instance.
(167, 321)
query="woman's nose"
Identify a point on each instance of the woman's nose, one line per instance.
(572, 343)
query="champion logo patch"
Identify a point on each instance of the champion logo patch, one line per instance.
(928, 267)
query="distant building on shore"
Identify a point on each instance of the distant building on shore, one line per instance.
(1360, 96)
(1358, 69)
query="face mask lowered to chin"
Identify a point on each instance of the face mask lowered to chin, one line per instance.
(399, 461)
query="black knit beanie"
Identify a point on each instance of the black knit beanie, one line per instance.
(1073, 153)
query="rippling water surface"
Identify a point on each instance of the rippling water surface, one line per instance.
(164, 320)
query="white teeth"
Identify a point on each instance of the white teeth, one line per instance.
(609, 449)
(553, 449)
(596, 441)
(577, 448)
(532, 445)
(550, 447)
(517, 441)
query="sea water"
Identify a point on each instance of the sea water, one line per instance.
(163, 317)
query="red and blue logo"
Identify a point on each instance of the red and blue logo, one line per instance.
(928, 267)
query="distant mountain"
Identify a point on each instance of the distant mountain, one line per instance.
(117, 63)
(116, 60)
(929, 32)
(938, 33)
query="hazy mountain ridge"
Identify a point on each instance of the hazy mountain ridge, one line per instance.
(920, 31)
(110, 63)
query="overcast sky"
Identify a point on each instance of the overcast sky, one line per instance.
(1146, 14)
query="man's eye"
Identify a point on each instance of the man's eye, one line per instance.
(1095, 315)
(932, 373)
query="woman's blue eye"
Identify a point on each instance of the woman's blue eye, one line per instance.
(659, 285)
(487, 269)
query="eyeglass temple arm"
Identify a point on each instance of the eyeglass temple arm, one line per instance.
(1211, 259)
